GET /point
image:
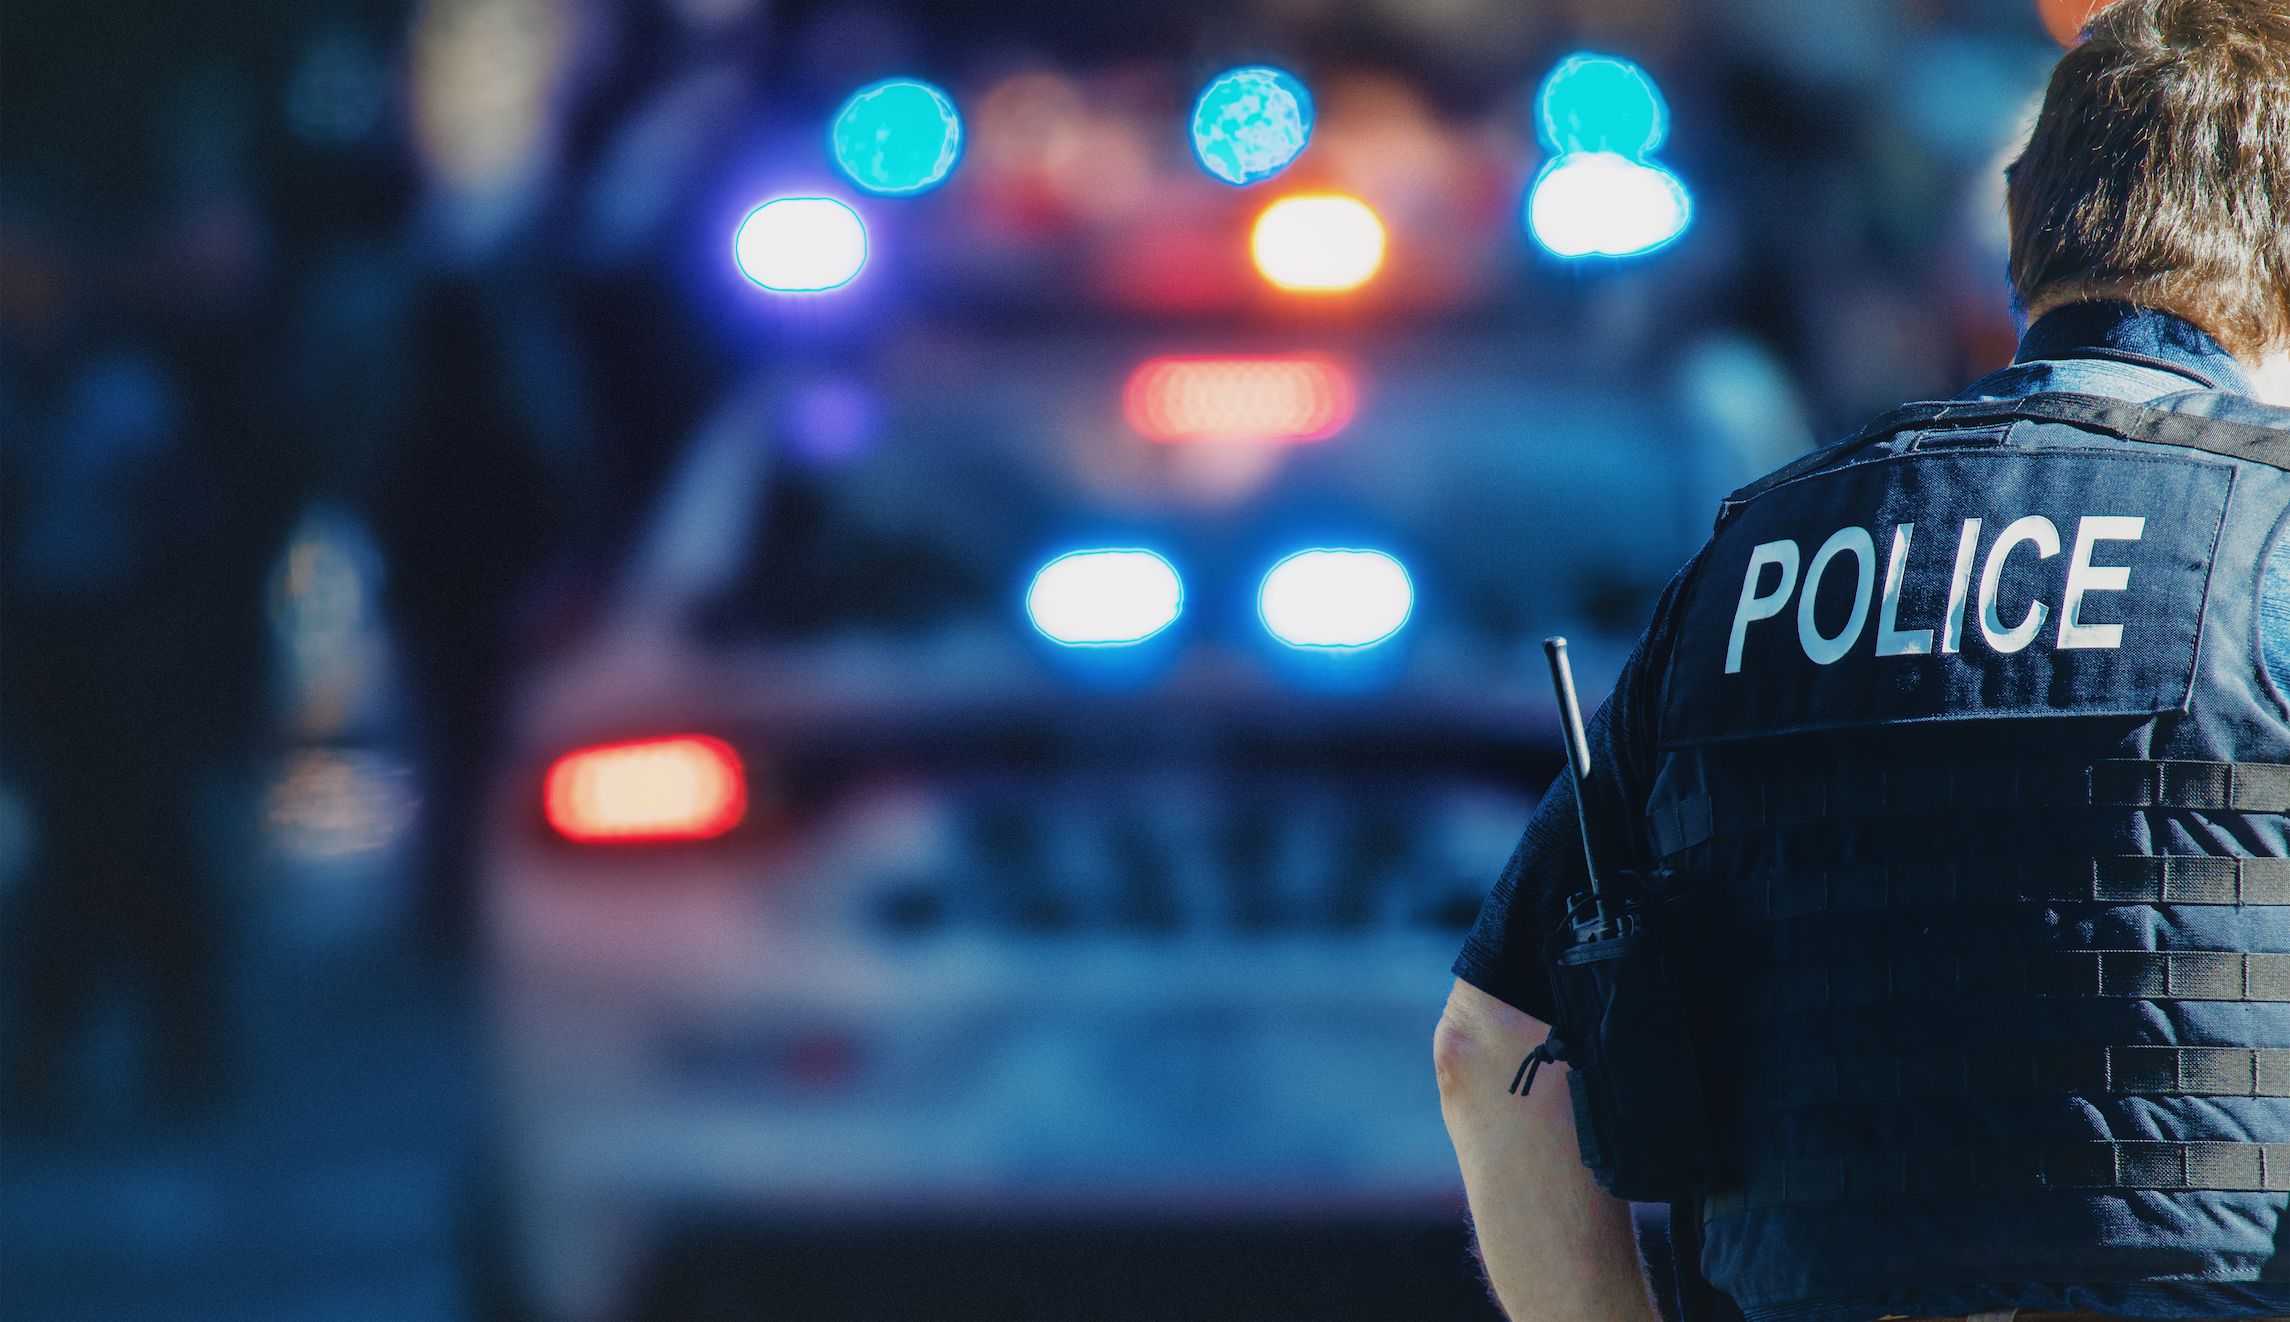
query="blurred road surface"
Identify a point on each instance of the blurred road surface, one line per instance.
(332, 1188)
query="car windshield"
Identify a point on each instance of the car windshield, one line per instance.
(827, 558)
(886, 511)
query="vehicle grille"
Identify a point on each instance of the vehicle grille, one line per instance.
(1177, 853)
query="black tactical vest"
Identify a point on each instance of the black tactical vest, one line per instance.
(1978, 789)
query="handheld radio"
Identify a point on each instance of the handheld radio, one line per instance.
(1634, 1076)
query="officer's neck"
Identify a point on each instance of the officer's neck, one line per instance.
(2269, 376)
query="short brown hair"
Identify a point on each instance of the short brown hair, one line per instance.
(2159, 170)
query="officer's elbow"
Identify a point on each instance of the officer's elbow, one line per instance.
(1474, 1029)
(1454, 1052)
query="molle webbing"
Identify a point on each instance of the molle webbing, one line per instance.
(2113, 879)
(2084, 1071)
(2148, 975)
(2256, 787)
(2082, 1167)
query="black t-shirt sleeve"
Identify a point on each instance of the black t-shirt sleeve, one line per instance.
(1504, 954)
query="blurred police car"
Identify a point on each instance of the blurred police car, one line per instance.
(826, 889)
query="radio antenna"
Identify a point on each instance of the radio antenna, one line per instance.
(1577, 755)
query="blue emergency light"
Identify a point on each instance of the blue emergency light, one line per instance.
(1249, 124)
(1597, 203)
(898, 136)
(1596, 102)
(1335, 599)
(801, 245)
(1106, 597)
(1600, 196)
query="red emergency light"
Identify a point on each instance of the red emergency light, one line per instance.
(646, 791)
(1296, 398)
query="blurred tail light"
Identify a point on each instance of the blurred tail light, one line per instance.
(688, 787)
(1273, 399)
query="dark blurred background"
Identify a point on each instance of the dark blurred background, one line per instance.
(538, 777)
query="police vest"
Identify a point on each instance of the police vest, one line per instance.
(1976, 789)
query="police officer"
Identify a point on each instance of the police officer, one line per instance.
(1962, 752)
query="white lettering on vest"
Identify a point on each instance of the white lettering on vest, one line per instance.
(2083, 576)
(1825, 651)
(2038, 531)
(1959, 584)
(1892, 640)
(1761, 606)
(1758, 601)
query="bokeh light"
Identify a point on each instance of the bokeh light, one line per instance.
(1335, 598)
(1104, 598)
(326, 803)
(1598, 203)
(481, 73)
(1250, 123)
(897, 136)
(2064, 19)
(1205, 399)
(1601, 103)
(1048, 150)
(1319, 243)
(684, 787)
(801, 245)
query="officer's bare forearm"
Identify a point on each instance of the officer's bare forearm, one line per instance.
(1555, 1245)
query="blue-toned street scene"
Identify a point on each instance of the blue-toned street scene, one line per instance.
(723, 659)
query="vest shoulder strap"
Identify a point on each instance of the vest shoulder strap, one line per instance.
(2119, 418)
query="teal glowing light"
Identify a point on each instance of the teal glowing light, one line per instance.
(1601, 103)
(1599, 204)
(801, 245)
(897, 136)
(1601, 196)
(1335, 599)
(1105, 598)
(1250, 123)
